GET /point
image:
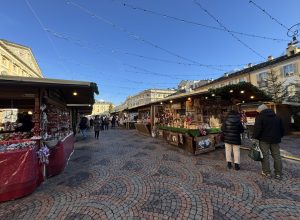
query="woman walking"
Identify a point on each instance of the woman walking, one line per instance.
(232, 129)
(97, 125)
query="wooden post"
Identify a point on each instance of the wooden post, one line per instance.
(152, 115)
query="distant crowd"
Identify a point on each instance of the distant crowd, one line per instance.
(97, 123)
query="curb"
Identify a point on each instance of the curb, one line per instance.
(283, 156)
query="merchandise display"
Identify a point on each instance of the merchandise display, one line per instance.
(55, 124)
(16, 145)
(192, 124)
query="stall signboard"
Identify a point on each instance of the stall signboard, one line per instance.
(173, 138)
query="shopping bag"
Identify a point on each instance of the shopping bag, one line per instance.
(255, 152)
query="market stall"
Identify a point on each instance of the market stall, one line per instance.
(143, 124)
(193, 121)
(128, 119)
(36, 138)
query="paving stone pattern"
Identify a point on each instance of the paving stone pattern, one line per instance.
(125, 175)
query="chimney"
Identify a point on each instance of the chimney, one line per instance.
(292, 47)
(270, 58)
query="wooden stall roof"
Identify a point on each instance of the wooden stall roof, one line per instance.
(251, 94)
(83, 101)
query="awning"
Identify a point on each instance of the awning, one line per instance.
(76, 94)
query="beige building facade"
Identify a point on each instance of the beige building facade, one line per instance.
(286, 68)
(147, 96)
(17, 60)
(143, 98)
(102, 108)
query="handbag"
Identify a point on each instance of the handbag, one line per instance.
(255, 152)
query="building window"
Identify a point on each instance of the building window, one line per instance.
(289, 70)
(242, 79)
(261, 79)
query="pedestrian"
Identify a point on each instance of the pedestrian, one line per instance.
(232, 129)
(117, 120)
(106, 123)
(97, 125)
(83, 126)
(91, 123)
(268, 129)
(113, 122)
(102, 123)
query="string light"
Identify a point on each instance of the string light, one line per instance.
(81, 44)
(173, 76)
(199, 24)
(270, 16)
(225, 28)
(135, 36)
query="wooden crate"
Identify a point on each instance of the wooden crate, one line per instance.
(188, 144)
(144, 129)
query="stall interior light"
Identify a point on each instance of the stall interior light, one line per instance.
(212, 94)
(231, 91)
(252, 97)
(29, 112)
(171, 101)
(206, 97)
(242, 91)
(243, 101)
(161, 103)
(189, 99)
(75, 93)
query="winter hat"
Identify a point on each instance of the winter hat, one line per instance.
(262, 107)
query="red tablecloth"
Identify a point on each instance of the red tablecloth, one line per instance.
(20, 173)
(59, 155)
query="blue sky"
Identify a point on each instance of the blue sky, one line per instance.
(125, 49)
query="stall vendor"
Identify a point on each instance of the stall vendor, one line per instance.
(24, 122)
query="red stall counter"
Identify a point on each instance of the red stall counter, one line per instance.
(20, 173)
(59, 155)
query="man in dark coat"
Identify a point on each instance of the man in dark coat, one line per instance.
(268, 129)
(232, 129)
(83, 126)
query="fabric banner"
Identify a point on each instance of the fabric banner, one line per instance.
(20, 173)
(59, 155)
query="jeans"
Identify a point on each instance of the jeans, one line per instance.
(236, 153)
(83, 132)
(275, 152)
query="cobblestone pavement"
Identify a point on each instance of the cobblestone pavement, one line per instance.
(129, 176)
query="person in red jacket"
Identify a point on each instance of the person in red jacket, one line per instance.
(268, 129)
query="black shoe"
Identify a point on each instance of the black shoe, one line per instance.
(267, 175)
(229, 165)
(278, 177)
(237, 166)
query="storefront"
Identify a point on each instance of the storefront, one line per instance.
(38, 117)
